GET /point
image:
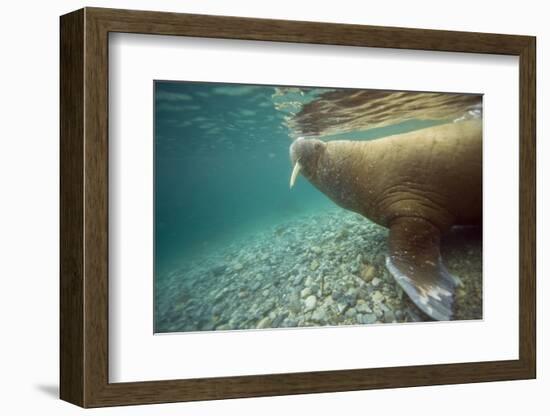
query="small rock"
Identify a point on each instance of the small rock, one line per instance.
(316, 249)
(289, 323)
(337, 294)
(341, 307)
(297, 280)
(314, 265)
(267, 306)
(319, 315)
(264, 323)
(369, 318)
(351, 299)
(363, 308)
(367, 273)
(351, 313)
(377, 297)
(238, 266)
(310, 303)
(294, 304)
(243, 294)
(389, 316)
(305, 292)
(277, 321)
(378, 311)
(376, 282)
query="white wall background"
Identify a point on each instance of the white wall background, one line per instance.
(29, 206)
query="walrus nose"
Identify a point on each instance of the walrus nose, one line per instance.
(296, 148)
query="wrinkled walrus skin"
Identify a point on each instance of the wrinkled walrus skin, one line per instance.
(418, 185)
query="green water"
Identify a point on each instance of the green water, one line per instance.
(222, 167)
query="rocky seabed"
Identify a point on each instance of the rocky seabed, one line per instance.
(319, 270)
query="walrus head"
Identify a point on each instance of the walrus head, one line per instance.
(304, 156)
(326, 165)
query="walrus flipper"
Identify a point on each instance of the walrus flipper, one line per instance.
(415, 263)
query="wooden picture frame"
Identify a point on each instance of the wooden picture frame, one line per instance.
(84, 207)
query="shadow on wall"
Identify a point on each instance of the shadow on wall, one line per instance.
(49, 390)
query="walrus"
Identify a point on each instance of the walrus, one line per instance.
(418, 184)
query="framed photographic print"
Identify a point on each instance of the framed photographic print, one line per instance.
(255, 207)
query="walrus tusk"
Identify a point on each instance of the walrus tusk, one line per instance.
(295, 173)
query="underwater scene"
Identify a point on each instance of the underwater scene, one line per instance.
(285, 206)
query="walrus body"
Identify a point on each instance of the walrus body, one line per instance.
(418, 185)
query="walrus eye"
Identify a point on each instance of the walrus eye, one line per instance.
(295, 173)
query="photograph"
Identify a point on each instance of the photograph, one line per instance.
(273, 204)
(297, 206)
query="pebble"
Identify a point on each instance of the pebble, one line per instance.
(294, 304)
(377, 297)
(319, 315)
(351, 313)
(368, 272)
(315, 289)
(278, 320)
(297, 280)
(351, 299)
(314, 265)
(310, 303)
(376, 282)
(289, 323)
(389, 316)
(264, 323)
(305, 292)
(369, 318)
(337, 294)
(363, 308)
(341, 307)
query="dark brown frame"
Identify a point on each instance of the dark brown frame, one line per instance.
(84, 208)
